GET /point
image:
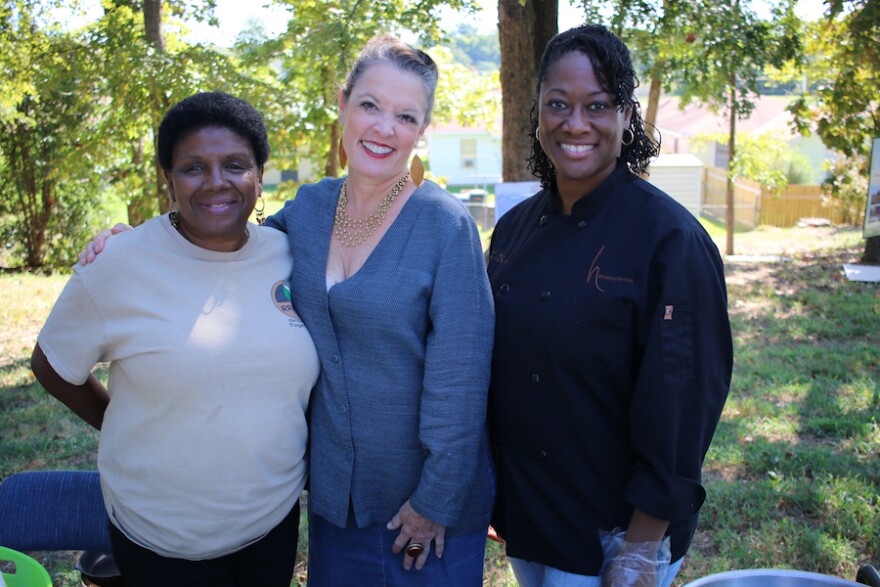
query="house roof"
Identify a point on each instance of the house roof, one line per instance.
(769, 114)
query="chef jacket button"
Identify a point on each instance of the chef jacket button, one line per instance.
(535, 378)
(545, 295)
(335, 358)
(542, 455)
(504, 288)
(582, 224)
(543, 220)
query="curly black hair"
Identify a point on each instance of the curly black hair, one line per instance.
(614, 69)
(211, 109)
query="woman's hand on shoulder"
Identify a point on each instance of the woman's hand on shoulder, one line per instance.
(415, 529)
(94, 248)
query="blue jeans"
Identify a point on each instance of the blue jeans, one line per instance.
(537, 575)
(363, 557)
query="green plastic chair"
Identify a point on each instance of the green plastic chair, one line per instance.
(28, 572)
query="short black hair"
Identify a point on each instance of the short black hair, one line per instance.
(211, 109)
(614, 70)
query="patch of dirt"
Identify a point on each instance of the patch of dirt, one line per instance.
(765, 259)
(792, 242)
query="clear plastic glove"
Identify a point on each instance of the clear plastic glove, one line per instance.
(632, 564)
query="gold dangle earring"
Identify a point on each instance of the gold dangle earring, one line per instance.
(343, 157)
(260, 219)
(417, 170)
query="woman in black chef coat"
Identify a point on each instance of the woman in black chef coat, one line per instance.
(613, 351)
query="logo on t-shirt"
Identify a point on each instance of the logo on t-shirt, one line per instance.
(281, 298)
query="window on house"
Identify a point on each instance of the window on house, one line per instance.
(468, 153)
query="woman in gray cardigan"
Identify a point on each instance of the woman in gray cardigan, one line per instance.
(389, 278)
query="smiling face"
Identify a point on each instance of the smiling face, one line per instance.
(580, 127)
(215, 181)
(382, 119)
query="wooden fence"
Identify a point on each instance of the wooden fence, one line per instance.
(754, 205)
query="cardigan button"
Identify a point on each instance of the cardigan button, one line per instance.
(542, 455)
(535, 378)
(582, 224)
(544, 219)
(335, 358)
(545, 295)
(504, 288)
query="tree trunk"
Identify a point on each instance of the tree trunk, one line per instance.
(523, 32)
(156, 38)
(153, 24)
(140, 208)
(731, 149)
(653, 102)
(32, 196)
(152, 196)
(37, 243)
(333, 168)
(872, 251)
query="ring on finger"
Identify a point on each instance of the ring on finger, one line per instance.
(415, 549)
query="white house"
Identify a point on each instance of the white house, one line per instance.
(464, 156)
(680, 175)
(305, 172)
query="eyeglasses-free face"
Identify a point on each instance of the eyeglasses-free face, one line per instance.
(580, 127)
(382, 120)
(215, 182)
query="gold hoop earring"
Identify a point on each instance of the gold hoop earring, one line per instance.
(632, 137)
(417, 170)
(259, 211)
(343, 157)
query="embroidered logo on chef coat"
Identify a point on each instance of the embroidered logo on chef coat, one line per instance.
(595, 273)
(282, 301)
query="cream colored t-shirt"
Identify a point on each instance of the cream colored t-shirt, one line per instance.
(203, 446)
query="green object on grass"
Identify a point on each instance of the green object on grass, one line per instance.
(28, 572)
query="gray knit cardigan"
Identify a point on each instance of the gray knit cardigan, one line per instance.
(399, 411)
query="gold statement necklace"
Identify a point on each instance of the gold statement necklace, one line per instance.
(350, 231)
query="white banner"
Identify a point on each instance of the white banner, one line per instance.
(872, 210)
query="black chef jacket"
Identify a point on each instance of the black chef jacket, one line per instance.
(611, 365)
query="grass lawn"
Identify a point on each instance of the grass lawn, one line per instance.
(793, 475)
